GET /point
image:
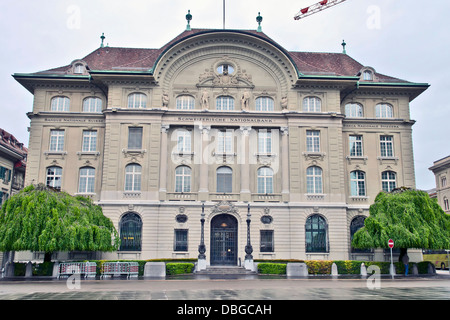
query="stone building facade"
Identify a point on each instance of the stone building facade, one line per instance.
(231, 124)
(441, 170)
(13, 159)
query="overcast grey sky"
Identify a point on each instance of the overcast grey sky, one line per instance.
(403, 39)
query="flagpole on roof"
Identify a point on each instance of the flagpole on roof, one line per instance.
(224, 14)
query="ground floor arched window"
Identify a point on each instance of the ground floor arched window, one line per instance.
(316, 234)
(130, 227)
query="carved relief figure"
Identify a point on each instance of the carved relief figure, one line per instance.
(165, 100)
(205, 100)
(284, 103)
(245, 100)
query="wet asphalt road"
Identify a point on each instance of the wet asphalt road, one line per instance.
(232, 288)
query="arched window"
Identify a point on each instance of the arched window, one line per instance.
(86, 182)
(446, 205)
(354, 110)
(358, 183)
(225, 103)
(79, 68)
(60, 104)
(312, 104)
(316, 234)
(54, 175)
(314, 180)
(133, 177)
(368, 75)
(388, 181)
(356, 224)
(137, 100)
(92, 104)
(265, 180)
(185, 102)
(384, 110)
(183, 179)
(224, 180)
(264, 104)
(130, 227)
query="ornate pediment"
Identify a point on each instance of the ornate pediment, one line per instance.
(224, 207)
(225, 73)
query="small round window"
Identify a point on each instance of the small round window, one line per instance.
(225, 69)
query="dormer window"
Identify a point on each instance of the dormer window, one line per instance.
(79, 68)
(367, 75)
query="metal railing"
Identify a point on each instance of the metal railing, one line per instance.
(89, 269)
(118, 268)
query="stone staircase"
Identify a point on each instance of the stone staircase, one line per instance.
(225, 270)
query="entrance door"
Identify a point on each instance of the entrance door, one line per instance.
(224, 240)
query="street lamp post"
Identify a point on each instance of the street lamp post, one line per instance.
(248, 248)
(201, 263)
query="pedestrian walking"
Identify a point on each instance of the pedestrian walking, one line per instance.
(405, 261)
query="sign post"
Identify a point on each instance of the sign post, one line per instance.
(391, 245)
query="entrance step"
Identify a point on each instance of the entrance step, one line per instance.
(223, 270)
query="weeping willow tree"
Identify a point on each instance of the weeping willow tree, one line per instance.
(42, 219)
(409, 217)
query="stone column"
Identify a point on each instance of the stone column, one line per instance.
(203, 190)
(284, 164)
(163, 166)
(245, 164)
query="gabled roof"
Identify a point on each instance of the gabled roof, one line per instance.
(10, 143)
(117, 59)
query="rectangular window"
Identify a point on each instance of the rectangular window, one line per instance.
(134, 138)
(87, 180)
(56, 140)
(266, 244)
(313, 141)
(264, 142)
(183, 141)
(181, 240)
(5, 174)
(356, 146)
(225, 141)
(89, 141)
(358, 184)
(386, 146)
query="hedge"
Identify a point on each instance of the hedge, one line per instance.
(179, 268)
(38, 269)
(272, 268)
(343, 266)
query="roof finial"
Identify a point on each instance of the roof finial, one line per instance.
(259, 19)
(103, 39)
(343, 46)
(188, 18)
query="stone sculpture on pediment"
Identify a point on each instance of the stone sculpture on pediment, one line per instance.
(245, 100)
(237, 79)
(165, 100)
(205, 100)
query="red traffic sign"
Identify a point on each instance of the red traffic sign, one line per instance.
(391, 243)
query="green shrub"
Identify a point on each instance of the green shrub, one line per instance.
(179, 268)
(422, 267)
(19, 269)
(319, 266)
(348, 266)
(43, 269)
(272, 268)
